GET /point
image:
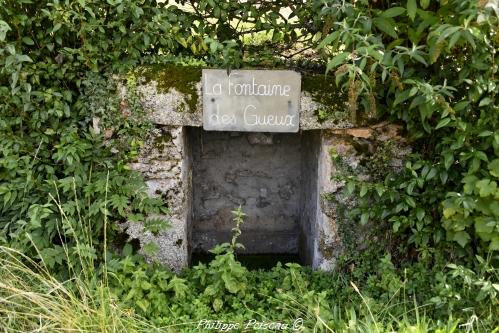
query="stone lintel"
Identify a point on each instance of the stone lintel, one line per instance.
(172, 95)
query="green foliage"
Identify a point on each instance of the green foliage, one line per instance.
(35, 296)
(225, 274)
(128, 294)
(33, 300)
(65, 131)
(379, 298)
(424, 296)
(433, 66)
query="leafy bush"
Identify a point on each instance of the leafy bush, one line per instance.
(56, 63)
(432, 66)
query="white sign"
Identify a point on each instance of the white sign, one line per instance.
(251, 100)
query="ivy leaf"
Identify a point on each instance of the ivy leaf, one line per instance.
(28, 41)
(485, 133)
(217, 304)
(230, 283)
(424, 3)
(213, 46)
(385, 25)
(329, 38)
(178, 286)
(363, 190)
(484, 102)
(56, 27)
(394, 11)
(494, 167)
(494, 245)
(410, 201)
(276, 35)
(380, 190)
(364, 218)
(469, 184)
(52, 256)
(338, 59)
(420, 213)
(4, 27)
(486, 187)
(401, 97)
(350, 187)
(448, 160)
(442, 123)
(447, 32)
(443, 177)
(453, 40)
(484, 229)
(411, 9)
(449, 211)
(37, 213)
(23, 58)
(145, 285)
(462, 238)
(143, 304)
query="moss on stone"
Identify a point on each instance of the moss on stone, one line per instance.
(326, 250)
(323, 90)
(378, 165)
(181, 78)
(160, 140)
(348, 229)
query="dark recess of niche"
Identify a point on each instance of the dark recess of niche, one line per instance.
(273, 176)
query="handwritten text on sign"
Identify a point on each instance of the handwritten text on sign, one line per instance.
(251, 100)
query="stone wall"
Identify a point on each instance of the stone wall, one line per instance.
(344, 153)
(166, 165)
(172, 96)
(285, 183)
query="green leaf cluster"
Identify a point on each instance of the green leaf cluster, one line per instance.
(431, 66)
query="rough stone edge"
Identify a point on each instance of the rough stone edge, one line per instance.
(164, 174)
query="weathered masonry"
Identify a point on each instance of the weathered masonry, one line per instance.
(284, 182)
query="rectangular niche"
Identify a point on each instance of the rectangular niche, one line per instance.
(273, 176)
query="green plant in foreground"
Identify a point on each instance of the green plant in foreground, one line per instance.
(31, 299)
(153, 299)
(225, 274)
(384, 300)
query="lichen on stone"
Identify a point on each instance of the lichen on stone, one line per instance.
(172, 76)
(327, 250)
(160, 140)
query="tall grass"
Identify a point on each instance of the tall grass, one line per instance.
(32, 299)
